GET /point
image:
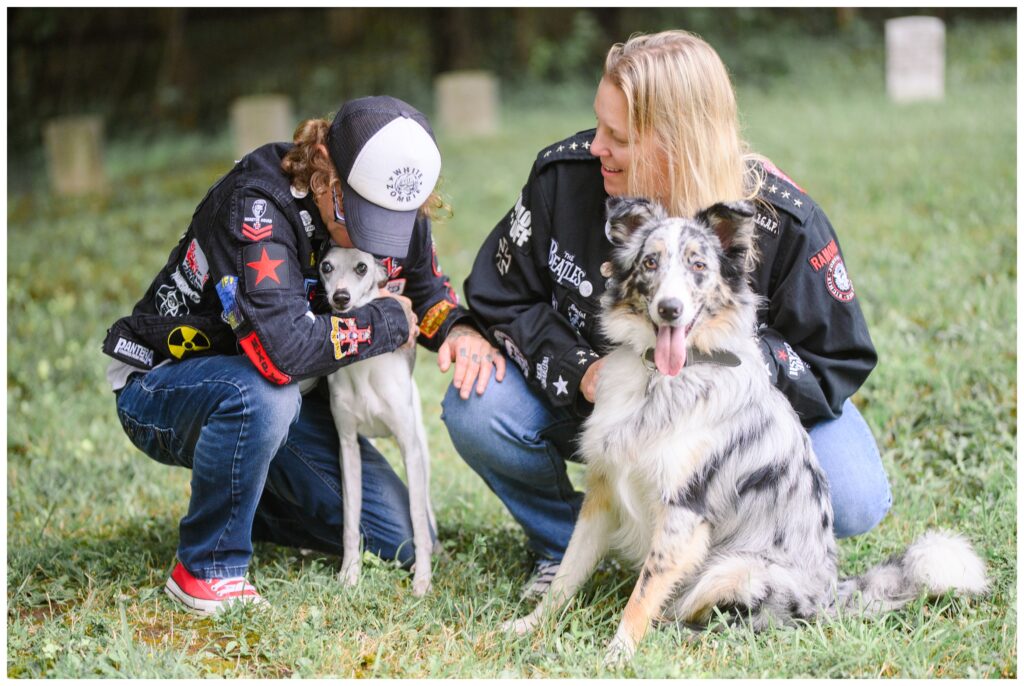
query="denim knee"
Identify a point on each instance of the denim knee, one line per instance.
(849, 455)
(855, 517)
(277, 406)
(482, 428)
(465, 424)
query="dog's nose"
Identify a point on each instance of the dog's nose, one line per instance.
(670, 309)
(341, 297)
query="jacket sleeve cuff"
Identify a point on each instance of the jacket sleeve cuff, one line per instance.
(457, 315)
(563, 384)
(392, 316)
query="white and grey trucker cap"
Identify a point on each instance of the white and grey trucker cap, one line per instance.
(388, 163)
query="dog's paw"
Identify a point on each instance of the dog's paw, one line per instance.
(519, 627)
(420, 587)
(620, 652)
(349, 576)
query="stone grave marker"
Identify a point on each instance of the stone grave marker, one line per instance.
(467, 103)
(260, 119)
(915, 58)
(74, 154)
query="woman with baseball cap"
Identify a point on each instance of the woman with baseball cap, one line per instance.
(205, 367)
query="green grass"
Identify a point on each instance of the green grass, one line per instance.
(923, 198)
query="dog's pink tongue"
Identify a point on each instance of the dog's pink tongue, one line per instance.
(670, 350)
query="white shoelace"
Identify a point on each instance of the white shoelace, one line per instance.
(543, 575)
(234, 584)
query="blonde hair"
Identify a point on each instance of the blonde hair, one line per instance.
(308, 168)
(681, 102)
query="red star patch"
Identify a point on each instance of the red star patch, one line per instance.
(782, 355)
(265, 268)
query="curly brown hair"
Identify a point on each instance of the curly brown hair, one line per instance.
(308, 168)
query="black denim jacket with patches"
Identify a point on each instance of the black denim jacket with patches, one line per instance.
(259, 240)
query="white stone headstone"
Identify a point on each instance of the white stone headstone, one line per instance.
(915, 58)
(260, 119)
(74, 155)
(467, 102)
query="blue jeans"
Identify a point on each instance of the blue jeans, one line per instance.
(519, 445)
(264, 463)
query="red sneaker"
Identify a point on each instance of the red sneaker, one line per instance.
(212, 595)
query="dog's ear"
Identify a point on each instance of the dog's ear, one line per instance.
(626, 215)
(733, 223)
(380, 273)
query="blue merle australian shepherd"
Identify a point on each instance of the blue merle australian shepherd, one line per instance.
(698, 469)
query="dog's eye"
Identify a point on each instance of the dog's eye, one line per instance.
(650, 263)
(326, 268)
(698, 266)
(361, 268)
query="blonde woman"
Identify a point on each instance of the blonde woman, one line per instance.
(667, 128)
(205, 369)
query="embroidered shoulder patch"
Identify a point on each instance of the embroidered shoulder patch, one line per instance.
(575, 147)
(768, 223)
(257, 218)
(837, 280)
(266, 266)
(194, 267)
(784, 194)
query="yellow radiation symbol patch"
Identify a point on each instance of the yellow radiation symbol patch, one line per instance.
(185, 340)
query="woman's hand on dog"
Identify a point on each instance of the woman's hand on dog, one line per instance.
(410, 316)
(588, 384)
(473, 357)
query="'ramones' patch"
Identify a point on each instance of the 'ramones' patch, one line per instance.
(837, 280)
(824, 256)
(185, 340)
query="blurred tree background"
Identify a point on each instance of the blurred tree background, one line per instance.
(152, 72)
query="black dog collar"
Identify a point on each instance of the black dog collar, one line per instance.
(722, 358)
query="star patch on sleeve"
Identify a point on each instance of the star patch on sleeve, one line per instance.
(266, 267)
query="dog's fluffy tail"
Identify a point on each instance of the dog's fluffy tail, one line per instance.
(936, 562)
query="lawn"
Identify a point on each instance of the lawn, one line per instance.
(923, 197)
